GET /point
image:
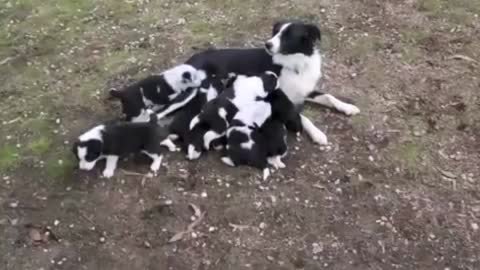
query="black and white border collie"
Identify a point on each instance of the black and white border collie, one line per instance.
(237, 100)
(179, 128)
(156, 92)
(257, 135)
(292, 54)
(112, 141)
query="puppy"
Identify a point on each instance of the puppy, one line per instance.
(180, 126)
(158, 91)
(111, 141)
(252, 143)
(214, 119)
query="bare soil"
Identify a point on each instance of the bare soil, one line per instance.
(397, 188)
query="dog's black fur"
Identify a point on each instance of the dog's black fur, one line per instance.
(120, 139)
(179, 128)
(217, 114)
(268, 142)
(156, 92)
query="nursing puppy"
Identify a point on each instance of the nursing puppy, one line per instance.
(214, 119)
(259, 145)
(112, 141)
(179, 128)
(292, 54)
(158, 91)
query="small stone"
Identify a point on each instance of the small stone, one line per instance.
(211, 229)
(204, 195)
(474, 226)
(57, 121)
(263, 225)
(13, 204)
(194, 235)
(14, 221)
(147, 244)
(102, 239)
(56, 222)
(370, 158)
(71, 226)
(68, 189)
(181, 21)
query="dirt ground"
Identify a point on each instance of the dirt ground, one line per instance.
(397, 188)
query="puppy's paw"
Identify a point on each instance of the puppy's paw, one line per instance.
(266, 173)
(107, 174)
(228, 161)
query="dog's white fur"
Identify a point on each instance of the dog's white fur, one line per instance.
(299, 77)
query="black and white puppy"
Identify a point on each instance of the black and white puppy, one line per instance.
(179, 128)
(292, 54)
(253, 143)
(112, 141)
(214, 119)
(158, 91)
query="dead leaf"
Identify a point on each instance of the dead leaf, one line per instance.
(447, 174)
(35, 235)
(196, 210)
(177, 237)
(40, 234)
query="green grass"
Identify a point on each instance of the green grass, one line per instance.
(40, 146)
(60, 167)
(455, 11)
(409, 154)
(363, 47)
(9, 157)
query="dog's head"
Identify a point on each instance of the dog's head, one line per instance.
(290, 37)
(184, 76)
(88, 148)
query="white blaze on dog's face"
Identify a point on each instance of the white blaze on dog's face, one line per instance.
(88, 148)
(184, 76)
(292, 38)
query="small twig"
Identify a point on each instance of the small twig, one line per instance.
(13, 121)
(179, 236)
(130, 173)
(236, 227)
(6, 60)
(463, 57)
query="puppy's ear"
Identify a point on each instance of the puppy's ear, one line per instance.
(114, 93)
(270, 81)
(313, 32)
(187, 76)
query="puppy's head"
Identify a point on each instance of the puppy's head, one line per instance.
(184, 76)
(293, 37)
(88, 148)
(132, 104)
(270, 81)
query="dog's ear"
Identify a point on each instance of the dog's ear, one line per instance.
(313, 32)
(270, 81)
(187, 76)
(114, 93)
(276, 26)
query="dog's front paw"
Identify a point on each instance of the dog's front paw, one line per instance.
(107, 173)
(319, 137)
(350, 109)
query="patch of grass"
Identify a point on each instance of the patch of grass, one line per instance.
(9, 157)
(410, 54)
(62, 167)
(460, 16)
(40, 146)
(363, 46)
(409, 154)
(431, 6)
(414, 36)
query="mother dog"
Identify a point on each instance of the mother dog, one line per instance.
(292, 54)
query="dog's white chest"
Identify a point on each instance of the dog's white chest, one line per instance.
(299, 76)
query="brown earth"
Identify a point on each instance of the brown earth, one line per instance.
(397, 188)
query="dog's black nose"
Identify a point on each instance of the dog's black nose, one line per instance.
(268, 45)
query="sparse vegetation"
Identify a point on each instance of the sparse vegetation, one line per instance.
(352, 205)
